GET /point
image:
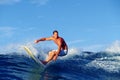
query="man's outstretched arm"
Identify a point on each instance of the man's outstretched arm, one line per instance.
(43, 39)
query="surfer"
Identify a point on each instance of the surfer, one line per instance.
(60, 42)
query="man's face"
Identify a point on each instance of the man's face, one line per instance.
(55, 35)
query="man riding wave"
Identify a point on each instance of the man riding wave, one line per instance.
(60, 42)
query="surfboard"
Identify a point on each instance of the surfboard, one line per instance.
(29, 52)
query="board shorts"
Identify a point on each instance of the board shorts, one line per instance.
(62, 52)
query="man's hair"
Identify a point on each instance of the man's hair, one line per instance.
(55, 31)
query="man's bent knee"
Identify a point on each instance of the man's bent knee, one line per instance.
(52, 53)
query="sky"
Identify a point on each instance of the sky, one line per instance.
(86, 24)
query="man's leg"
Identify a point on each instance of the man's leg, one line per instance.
(55, 57)
(50, 57)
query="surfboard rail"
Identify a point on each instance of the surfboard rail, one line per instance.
(29, 52)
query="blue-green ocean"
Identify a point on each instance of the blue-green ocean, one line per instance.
(77, 65)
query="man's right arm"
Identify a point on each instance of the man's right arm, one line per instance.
(43, 39)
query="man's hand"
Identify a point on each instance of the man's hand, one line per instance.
(36, 41)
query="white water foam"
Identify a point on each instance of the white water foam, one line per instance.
(109, 66)
(17, 49)
(11, 49)
(114, 48)
(108, 63)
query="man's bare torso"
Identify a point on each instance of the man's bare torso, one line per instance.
(61, 41)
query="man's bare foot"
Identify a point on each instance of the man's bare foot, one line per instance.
(44, 62)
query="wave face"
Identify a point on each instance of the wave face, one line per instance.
(77, 65)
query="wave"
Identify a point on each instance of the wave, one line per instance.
(87, 65)
(17, 49)
(78, 64)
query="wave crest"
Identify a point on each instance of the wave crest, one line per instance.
(114, 48)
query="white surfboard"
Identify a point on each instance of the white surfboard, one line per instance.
(29, 52)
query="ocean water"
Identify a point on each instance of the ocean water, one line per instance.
(77, 65)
